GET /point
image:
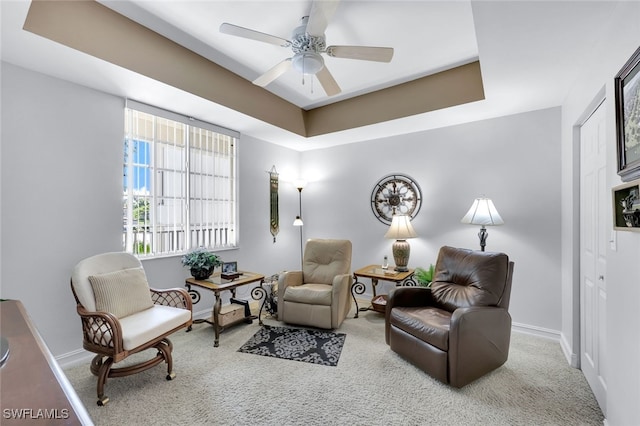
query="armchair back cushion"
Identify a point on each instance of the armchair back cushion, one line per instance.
(96, 265)
(324, 259)
(121, 293)
(465, 278)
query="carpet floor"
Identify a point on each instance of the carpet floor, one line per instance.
(371, 385)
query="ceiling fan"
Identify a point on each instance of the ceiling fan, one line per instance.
(307, 43)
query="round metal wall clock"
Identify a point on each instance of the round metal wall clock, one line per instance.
(393, 194)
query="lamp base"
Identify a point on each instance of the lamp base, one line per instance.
(483, 235)
(401, 250)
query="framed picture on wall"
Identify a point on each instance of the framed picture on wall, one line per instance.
(627, 98)
(626, 206)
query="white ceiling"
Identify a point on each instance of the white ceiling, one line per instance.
(529, 51)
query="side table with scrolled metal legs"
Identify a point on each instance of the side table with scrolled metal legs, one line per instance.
(217, 285)
(376, 273)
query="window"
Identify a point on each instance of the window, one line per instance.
(179, 183)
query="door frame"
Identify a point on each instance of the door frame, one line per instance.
(572, 349)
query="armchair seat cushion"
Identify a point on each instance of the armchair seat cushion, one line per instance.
(311, 294)
(143, 326)
(431, 325)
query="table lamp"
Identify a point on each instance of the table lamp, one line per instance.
(483, 213)
(400, 230)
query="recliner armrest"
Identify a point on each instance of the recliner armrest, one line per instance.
(342, 280)
(287, 279)
(478, 342)
(405, 296)
(479, 319)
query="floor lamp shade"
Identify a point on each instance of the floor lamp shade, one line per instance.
(483, 213)
(401, 230)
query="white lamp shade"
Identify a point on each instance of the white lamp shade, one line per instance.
(298, 221)
(482, 212)
(400, 228)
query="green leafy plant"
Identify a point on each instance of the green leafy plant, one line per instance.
(142, 248)
(424, 276)
(201, 258)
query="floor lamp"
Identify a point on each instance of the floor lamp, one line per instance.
(483, 213)
(300, 184)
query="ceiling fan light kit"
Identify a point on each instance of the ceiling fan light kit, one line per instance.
(308, 62)
(307, 43)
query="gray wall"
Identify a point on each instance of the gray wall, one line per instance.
(61, 169)
(618, 41)
(61, 191)
(513, 160)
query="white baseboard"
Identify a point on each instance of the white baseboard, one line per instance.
(74, 358)
(203, 314)
(536, 331)
(572, 357)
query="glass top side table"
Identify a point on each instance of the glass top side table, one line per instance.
(376, 273)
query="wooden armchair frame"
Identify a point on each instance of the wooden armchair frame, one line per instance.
(102, 334)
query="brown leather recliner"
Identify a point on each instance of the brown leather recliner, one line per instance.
(459, 329)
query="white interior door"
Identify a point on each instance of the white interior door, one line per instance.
(594, 230)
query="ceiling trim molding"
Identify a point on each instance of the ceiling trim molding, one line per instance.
(456, 86)
(95, 29)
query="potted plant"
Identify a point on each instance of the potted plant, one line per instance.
(202, 263)
(424, 276)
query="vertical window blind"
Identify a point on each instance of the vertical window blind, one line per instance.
(180, 184)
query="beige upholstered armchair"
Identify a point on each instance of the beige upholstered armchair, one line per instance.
(459, 329)
(319, 295)
(121, 315)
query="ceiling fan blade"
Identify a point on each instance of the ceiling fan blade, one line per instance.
(320, 15)
(235, 30)
(327, 81)
(365, 53)
(273, 73)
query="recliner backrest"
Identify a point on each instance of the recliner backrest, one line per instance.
(465, 278)
(324, 259)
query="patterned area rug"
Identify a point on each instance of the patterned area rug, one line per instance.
(297, 344)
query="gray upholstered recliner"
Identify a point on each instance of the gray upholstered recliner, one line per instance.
(319, 295)
(459, 329)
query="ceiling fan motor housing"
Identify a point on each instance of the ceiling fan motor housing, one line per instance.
(306, 49)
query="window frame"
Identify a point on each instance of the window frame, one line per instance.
(188, 228)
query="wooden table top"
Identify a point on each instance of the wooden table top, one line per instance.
(376, 272)
(33, 383)
(217, 283)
